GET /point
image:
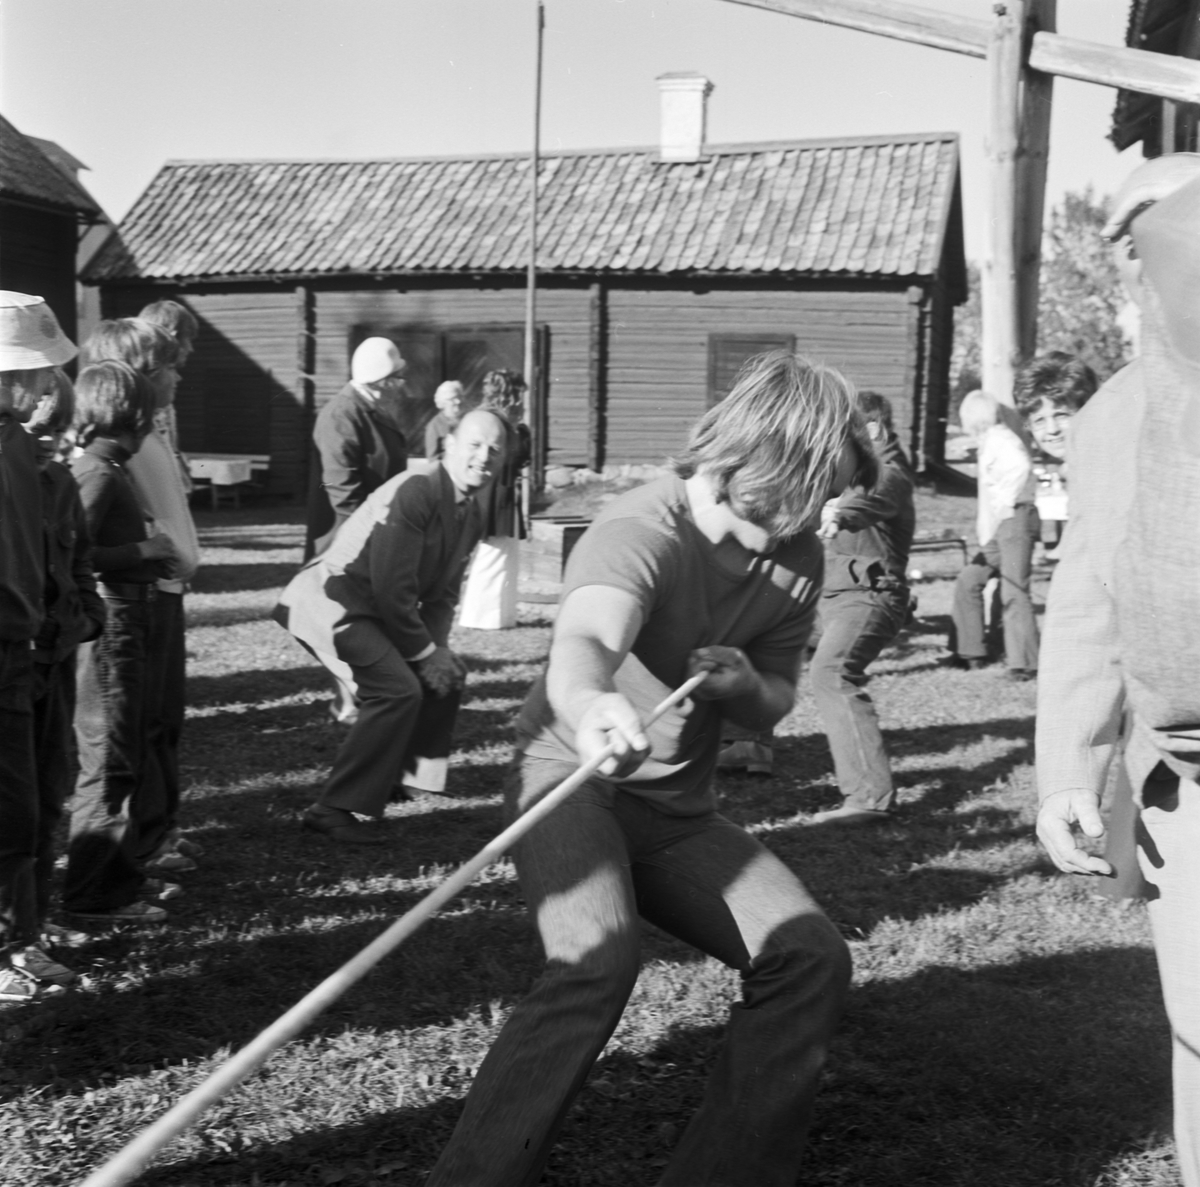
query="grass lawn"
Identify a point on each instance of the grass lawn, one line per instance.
(1004, 1030)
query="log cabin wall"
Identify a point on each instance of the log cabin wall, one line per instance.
(658, 352)
(428, 322)
(238, 392)
(37, 255)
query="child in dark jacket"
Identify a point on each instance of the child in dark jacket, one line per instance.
(74, 614)
(114, 412)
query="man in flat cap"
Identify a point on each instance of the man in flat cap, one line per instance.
(1121, 644)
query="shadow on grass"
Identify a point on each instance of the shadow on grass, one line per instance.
(223, 579)
(1047, 1070)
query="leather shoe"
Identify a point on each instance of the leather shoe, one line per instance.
(342, 826)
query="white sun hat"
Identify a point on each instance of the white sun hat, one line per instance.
(30, 335)
(375, 359)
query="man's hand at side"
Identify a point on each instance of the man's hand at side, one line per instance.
(440, 671)
(1058, 813)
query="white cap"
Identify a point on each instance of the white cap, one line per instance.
(375, 359)
(30, 335)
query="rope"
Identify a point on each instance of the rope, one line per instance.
(129, 1162)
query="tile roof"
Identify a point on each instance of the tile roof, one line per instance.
(28, 175)
(878, 206)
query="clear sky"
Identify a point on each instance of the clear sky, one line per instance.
(125, 85)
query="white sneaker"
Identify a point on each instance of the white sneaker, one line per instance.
(169, 861)
(35, 963)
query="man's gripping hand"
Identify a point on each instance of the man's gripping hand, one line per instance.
(441, 671)
(1057, 814)
(729, 673)
(611, 719)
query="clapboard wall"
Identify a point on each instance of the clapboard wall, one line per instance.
(37, 255)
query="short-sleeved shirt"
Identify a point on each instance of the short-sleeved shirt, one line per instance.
(647, 544)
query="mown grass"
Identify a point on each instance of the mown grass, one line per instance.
(1004, 1030)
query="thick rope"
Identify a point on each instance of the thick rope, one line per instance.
(129, 1162)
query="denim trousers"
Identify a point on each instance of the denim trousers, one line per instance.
(54, 750)
(156, 803)
(1169, 837)
(856, 625)
(587, 872)
(1009, 556)
(18, 795)
(110, 719)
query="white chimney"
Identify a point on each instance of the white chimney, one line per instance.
(684, 99)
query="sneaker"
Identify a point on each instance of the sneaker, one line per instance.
(161, 891)
(58, 936)
(137, 912)
(755, 758)
(184, 845)
(965, 663)
(169, 861)
(15, 987)
(34, 962)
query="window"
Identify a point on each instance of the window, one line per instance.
(727, 353)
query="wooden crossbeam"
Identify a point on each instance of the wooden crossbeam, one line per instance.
(889, 18)
(1164, 75)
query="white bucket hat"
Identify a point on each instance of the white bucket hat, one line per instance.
(30, 335)
(375, 359)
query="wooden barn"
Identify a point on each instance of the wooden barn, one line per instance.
(657, 278)
(43, 213)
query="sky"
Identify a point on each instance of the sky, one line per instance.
(126, 85)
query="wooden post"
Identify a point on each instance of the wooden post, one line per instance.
(999, 273)
(597, 373)
(1037, 95)
(305, 385)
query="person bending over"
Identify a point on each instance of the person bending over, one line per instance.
(714, 569)
(376, 610)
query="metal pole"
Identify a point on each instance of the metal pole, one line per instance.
(534, 412)
(131, 1160)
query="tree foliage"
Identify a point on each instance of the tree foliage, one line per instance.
(1079, 302)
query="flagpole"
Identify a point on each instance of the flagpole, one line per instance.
(535, 414)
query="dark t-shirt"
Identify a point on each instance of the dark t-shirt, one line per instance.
(647, 544)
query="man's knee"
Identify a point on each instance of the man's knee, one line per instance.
(607, 971)
(806, 957)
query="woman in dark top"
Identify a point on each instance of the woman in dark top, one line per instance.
(114, 412)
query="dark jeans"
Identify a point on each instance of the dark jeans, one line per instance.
(401, 736)
(54, 747)
(102, 870)
(587, 872)
(18, 795)
(1008, 556)
(856, 625)
(156, 804)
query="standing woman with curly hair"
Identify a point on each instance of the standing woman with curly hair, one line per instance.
(489, 600)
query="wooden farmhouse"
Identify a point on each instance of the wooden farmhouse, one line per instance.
(43, 213)
(657, 277)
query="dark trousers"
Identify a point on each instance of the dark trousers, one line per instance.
(54, 749)
(400, 731)
(110, 713)
(856, 625)
(1009, 556)
(156, 803)
(18, 795)
(587, 872)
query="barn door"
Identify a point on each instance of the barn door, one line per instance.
(727, 353)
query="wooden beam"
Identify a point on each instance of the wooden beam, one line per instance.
(888, 18)
(999, 347)
(1037, 95)
(1163, 75)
